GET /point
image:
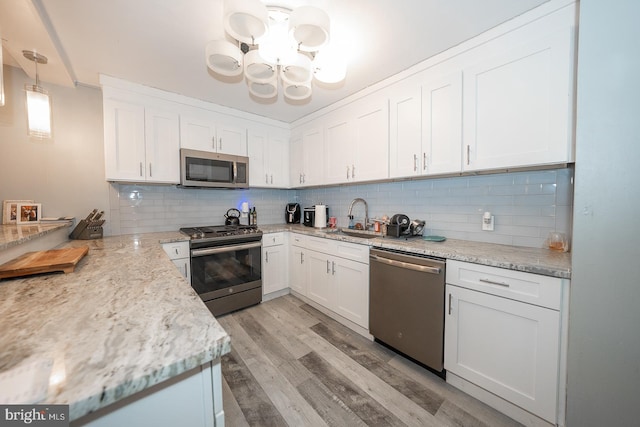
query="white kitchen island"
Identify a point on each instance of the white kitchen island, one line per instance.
(125, 336)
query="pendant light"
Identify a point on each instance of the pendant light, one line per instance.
(38, 102)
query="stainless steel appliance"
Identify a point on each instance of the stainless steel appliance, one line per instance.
(292, 213)
(213, 170)
(226, 266)
(309, 216)
(406, 304)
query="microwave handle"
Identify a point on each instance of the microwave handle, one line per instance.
(235, 172)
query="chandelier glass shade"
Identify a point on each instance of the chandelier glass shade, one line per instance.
(275, 47)
(38, 102)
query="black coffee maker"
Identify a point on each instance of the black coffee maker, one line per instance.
(292, 213)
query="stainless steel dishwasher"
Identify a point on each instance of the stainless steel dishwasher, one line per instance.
(406, 304)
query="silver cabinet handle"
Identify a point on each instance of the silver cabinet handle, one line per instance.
(407, 265)
(449, 303)
(177, 251)
(271, 178)
(492, 282)
(304, 178)
(150, 170)
(333, 268)
(415, 163)
(140, 168)
(266, 178)
(347, 171)
(220, 143)
(213, 142)
(353, 171)
(468, 154)
(424, 161)
(301, 258)
(328, 266)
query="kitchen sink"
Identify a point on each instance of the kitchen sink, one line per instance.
(360, 233)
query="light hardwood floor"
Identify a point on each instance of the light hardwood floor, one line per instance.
(292, 365)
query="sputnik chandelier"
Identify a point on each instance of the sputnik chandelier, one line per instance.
(274, 44)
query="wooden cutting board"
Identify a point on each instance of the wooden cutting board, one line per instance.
(43, 262)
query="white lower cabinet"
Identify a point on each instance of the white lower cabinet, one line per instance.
(332, 274)
(179, 254)
(274, 263)
(500, 344)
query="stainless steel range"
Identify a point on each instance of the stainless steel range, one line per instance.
(226, 266)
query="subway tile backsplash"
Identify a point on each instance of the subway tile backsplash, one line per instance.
(526, 205)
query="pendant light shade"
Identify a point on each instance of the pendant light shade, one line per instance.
(245, 20)
(297, 71)
(38, 102)
(224, 58)
(258, 69)
(329, 66)
(265, 90)
(309, 26)
(297, 92)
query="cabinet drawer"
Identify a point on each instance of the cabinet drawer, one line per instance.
(526, 287)
(176, 250)
(352, 251)
(320, 244)
(298, 239)
(272, 239)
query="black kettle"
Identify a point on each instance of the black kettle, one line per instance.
(232, 217)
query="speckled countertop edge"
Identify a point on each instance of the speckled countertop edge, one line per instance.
(530, 260)
(124, 321)
(14, 235)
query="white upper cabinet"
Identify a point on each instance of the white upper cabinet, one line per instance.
(426, 126)
(518, 99)
(141, 143)
(268, 158)
(313, 153)
(357, 143)
(203, 130)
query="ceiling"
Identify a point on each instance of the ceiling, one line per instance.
(161, 43)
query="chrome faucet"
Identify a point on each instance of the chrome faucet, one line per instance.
(366, 211)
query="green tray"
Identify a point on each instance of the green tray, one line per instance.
(434, 238)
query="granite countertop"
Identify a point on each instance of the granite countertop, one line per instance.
(13, 235)
(123, 321)
(530, 260)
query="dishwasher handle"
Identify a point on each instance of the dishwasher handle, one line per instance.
(407, 265)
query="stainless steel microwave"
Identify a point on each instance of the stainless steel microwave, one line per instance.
(213, 170)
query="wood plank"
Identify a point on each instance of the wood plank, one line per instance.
(38, 262)
(295, 410)
(333, 411)
(252, 399)
(423, 396)
(366, 408)
(233, 415)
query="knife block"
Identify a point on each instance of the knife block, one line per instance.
(86, 230)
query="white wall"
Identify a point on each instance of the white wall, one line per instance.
(65, 173)
(604, 323)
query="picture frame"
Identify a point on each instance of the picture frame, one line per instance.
(29, 213)
(10, 210)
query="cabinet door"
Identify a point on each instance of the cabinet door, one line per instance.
(274, 267)
(232, 140)
(319, 278)
(405, 130)
(339, 143)
(183, 265)
(371, 143)
(162, 136)
(313, 153)
(198, 133)
(297, 162)
(517, 105)
(257, 148)
(297, 267)
(124, 142)
(506, 347)
(441, 124)
(277, 162)
(351, 284)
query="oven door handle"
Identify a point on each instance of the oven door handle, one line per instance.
(407, 265)
(221, 249)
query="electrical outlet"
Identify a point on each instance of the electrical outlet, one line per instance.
(487, 221)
